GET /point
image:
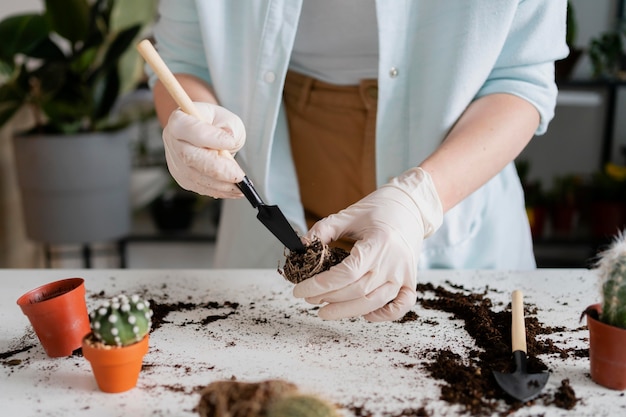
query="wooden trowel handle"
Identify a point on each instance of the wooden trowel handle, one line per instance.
(518, 328)
(167, 78)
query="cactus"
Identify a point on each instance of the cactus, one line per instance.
(301, 406)
(121, 321)
(612, 269)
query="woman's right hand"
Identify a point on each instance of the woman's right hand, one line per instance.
(199, 152)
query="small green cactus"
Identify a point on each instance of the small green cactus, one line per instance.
(612, 270)
(121, 321)
(300, 405)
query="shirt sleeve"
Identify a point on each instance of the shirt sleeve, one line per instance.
(178, 39)
(525, 66)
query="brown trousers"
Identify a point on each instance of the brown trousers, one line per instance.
(332, 131)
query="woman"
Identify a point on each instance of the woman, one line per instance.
(390, 123)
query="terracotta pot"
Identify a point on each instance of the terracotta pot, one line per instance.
(58, 313)
(607, 355)
(116, 369)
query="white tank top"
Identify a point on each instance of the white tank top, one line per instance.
(337, 41)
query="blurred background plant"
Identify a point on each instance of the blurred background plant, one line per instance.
(607, 54)
(63, 64)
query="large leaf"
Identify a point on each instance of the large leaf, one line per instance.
(106, 91)
(20, 34)
(50, 78)
(99, 26)
(69, 18)
(70, 107)
(120, 43)
(85, 61)
(105, 79)
(47, 50)
(116, 49)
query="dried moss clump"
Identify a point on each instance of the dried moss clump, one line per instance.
(270, 398)
(317, 258)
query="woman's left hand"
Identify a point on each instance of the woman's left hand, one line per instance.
(378, 279)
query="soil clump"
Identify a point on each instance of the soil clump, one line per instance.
(268, 398)
(317, 258)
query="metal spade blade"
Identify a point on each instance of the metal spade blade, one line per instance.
(520, 384)
(272, 218)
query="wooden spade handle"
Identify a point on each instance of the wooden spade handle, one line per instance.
(152, 57)
(518, 328)
(180, 96)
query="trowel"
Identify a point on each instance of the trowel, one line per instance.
(520, 384)
(271, 216)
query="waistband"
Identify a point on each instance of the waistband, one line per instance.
(310, 90)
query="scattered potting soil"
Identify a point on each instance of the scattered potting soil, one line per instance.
(466, 380)
(160, 311)
(9, 353)
(317, 258)
(469, 381)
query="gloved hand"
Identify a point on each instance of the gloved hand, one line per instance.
(192, 150)
(379, 278)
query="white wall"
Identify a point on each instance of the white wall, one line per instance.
(9, 7)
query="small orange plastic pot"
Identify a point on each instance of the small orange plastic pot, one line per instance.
(607, 356)
(58, 313)
(116, 369)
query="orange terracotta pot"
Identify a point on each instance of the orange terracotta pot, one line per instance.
(607, 356)
(58, 313)
(116, 369)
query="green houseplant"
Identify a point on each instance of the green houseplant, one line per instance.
(60, 69)
(607, 320)
(63, 65)
(118, 341)
(607, 53)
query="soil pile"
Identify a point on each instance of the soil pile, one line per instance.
(469, 381)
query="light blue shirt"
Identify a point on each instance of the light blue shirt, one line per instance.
(435, 58)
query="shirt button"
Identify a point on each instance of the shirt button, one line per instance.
(269, 77)
(393, 72)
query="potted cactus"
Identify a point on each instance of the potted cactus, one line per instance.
(118, 341)
(607, 320)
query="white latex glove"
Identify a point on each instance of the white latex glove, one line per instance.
(192, 150)
(379, 278)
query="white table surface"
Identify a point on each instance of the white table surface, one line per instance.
(273, 335)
